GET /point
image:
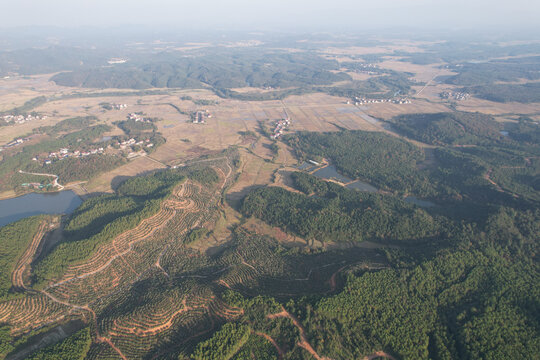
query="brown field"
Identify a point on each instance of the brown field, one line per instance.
(432, 92)
(15, 91)
(285, 156)
(254, 172)
(380, 49)
(106, 182)
(184, 140)
(422, 73)
(360, 76)
(7, 194)
(8, 133)
(387, 111)
(188, 305)
(495, 108)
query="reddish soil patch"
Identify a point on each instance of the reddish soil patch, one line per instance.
(303, 343)
(333, 281)
(378, 354)
(28, 256)
(280, 351)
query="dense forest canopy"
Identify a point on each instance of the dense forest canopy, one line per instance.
(455, 128)
(334, 213)
(381, 159)
(521, 93)
(489, 72)
(219, 69)
(248, 254)
(468, 304)
(75, 347)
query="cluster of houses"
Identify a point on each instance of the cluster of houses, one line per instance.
(367, 69)
(455, 95)
(66, 153)
(132, 142)
(360, 101)
(21, 119)
(280, 126)
(15, 142)
(108, 106)
(37, 186)
(200, 116)
(138, 117)
(129, 144)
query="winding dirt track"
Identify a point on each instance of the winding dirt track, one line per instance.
(145, 229)
(123, 244)
(280, 351)
(378, 354)
(27, 257)
(333, 279)
(55, 182)
(175, 204)
(303, 343)
(487, 176)
(126, 241)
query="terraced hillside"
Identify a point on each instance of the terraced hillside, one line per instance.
(84, 288)
(166, 268)
(149, 293)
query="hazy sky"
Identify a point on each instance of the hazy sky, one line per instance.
(273, 14)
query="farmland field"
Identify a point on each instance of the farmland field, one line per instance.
(218, 219)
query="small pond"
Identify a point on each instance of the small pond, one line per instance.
(361, 186)
(330, 172)
(63, 202)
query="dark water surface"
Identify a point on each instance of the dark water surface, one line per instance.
(330, 172)
(361, 186)
(63, 202)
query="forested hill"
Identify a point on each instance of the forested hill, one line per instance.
(222, 69)
(463, 282)
(449, 128)
(334, 213)
(381, 159)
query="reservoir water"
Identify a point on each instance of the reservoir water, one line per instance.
(361, 186)
(330, 172)
(63, 202)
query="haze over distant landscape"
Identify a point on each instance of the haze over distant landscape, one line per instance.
(275, 15)
(269, 180)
